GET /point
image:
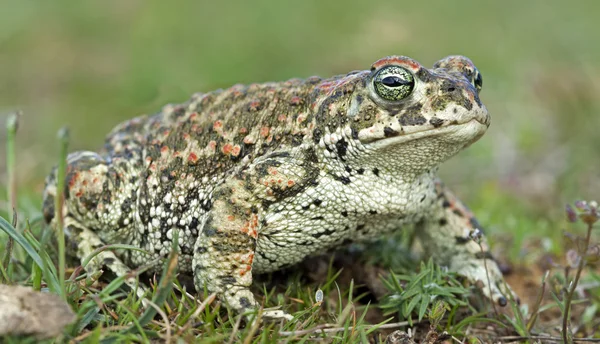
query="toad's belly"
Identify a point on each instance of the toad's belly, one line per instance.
(280, 249)
(331, 214)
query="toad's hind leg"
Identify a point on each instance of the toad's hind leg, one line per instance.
(453, 237)
(86, 242)
(97, 202)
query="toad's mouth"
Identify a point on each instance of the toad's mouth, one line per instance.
(466, 132)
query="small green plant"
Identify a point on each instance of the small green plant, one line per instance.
(589, 214)
(419, 292)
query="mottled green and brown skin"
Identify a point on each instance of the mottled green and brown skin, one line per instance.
(258, 177)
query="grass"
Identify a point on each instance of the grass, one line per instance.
(92, 65)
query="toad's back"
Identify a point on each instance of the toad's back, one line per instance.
(215, 131)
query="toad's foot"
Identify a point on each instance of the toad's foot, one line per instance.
(268, 315)
(488, 277)
(273, 315)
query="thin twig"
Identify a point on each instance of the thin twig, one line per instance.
(548, 338)
(83, 336)
(487, 273)
(536, 306)
(331, 328)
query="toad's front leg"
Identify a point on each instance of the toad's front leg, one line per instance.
(226, 246)
(453, 237)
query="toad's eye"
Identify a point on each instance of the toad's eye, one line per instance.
(393, 83)
(478, 81)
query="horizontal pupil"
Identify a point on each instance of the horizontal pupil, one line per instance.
(394, 81)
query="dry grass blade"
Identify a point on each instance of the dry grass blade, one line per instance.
(235, 329)
(165, 319)
(331, 328)
(254, 328)
(200, 309)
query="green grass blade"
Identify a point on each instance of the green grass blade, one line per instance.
(94, 253)
(12, 124)
(473, 319)
(164, 286)
(423, 309)
(63, 136)
(18, 238)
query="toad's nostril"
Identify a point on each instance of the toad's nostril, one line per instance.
(448, 86)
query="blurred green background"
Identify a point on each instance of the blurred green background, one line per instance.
(92, 64)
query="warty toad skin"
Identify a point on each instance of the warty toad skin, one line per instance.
(257, 177)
